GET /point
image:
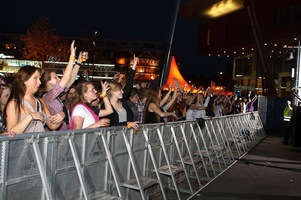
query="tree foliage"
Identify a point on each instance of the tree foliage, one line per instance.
(42, 43)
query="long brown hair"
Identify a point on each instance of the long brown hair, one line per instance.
(2, 88)
(80, 90)
(152, 98)
(46, 76)
(18, 86)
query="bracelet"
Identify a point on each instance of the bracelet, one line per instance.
(102, 95)
(31, 116)
(128, 125)
(77, 63)
(72, 58)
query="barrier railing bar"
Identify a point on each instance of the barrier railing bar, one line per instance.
(4, 161)
(221, 140)
(225, 141)
(190, 156)
(213, 148)
(70, 139)
(169, 166)
(111, 163)
(233, 137)
(151, 153)
(41, 167)
(206, 150)
(132, 162)
(239, 134)
(223, 128)
(181, 159)
(199, 150)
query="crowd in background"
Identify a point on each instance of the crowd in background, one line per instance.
(34, 101)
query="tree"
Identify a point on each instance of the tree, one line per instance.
(42, 43)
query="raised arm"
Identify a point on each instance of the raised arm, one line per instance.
(174, 96)
(165, 98)
(154, 108)
(76, 68)
(108, 107)
(129, 84)
(68, 70)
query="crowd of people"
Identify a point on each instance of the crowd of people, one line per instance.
(36, 101)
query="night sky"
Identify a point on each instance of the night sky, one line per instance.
(117, 19)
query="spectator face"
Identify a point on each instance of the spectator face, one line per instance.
(33, 83)
(5, 95)
(118, 93)
(54, 79)
(144, 84)
(179, 97)
(71, 93)
(134, 98)
(91, 94)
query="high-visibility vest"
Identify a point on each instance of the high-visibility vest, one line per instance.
(287, 113)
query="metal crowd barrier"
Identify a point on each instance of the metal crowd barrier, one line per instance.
(156, 162)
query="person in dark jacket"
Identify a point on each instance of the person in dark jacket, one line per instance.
(118, 95)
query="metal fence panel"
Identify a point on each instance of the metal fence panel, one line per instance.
(95, 163)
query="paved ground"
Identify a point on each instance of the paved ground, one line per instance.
(271, 170)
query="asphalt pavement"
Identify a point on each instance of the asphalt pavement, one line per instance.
(270, 171)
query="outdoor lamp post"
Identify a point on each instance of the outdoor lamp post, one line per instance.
(296, 72)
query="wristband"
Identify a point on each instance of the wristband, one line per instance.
(77, 63)
(72, 58)
(128, 125)
(102, 95)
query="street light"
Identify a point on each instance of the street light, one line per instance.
(94, 53)
(296, 73)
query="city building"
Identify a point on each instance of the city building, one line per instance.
(106, 57)
(262, 36)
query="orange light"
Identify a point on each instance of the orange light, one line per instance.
(175, 73)
(121, 61)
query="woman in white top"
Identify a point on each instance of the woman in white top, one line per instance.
(82, 114)
(198, 109)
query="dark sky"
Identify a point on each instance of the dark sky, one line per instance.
(116, 19)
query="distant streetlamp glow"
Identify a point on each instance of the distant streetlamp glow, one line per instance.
(224, 7)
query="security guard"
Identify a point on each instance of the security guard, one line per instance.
(287, 115)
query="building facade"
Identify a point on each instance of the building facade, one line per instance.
(266, 30)
(106, 57)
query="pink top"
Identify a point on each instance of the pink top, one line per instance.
(96, 118)
(54, 103)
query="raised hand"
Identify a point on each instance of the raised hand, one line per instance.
(135, 62)
(105, 87)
